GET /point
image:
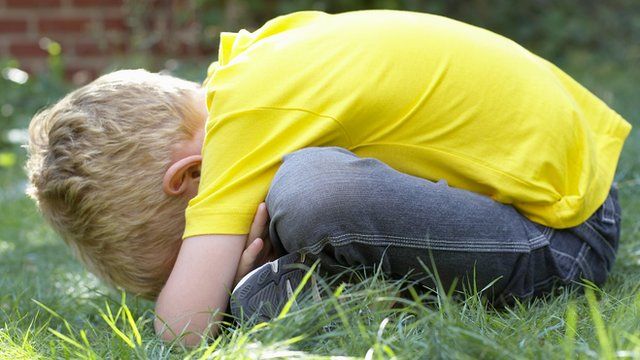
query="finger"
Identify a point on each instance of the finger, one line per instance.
(259, 222)
(248, 259)
(265, 253)
(252, 252)
(254, 231)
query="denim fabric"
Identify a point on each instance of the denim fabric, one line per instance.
(348, 211)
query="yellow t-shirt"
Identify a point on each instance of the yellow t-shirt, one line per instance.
(429, 96)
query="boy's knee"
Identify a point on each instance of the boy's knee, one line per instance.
(308, 176)
(310, 186)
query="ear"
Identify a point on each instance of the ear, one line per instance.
(183, 176)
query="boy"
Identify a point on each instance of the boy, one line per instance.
(397, 137)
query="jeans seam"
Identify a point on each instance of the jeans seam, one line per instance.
(586, 268)
(607, 216)
(579, 259)
(540, 240)
(411, 238)
(545, 282)
(602, 239)
(419, 243)
(567, 276)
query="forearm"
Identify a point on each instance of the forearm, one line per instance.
(198, 287)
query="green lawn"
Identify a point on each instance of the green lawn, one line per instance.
(51, 308)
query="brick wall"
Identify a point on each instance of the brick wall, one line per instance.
(92, 33)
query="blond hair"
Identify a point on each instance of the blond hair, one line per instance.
(96, 163)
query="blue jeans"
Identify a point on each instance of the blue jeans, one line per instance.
(348, 211)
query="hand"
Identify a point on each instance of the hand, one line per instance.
(257, 251)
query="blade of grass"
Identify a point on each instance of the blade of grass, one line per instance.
(571, 319)
(132, 324)
(117, 331)
(606, 350)
(298, 290)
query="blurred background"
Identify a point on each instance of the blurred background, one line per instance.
(48, 47)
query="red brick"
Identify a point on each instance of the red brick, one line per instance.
(100, 3)
(12, 26)
(159, 48)
(116, 24)
(27, 50)
(63, 25)
(206, 48)
(119, 46)
(88, 49)
(93, 49)
(32, 3)
(28, 69)
(194, 49)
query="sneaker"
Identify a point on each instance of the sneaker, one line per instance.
(262, 293)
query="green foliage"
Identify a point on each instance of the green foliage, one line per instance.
(22, 95)
(550, 28)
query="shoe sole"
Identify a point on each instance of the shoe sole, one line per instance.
(262, 294)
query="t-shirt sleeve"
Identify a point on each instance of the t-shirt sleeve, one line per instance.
(241, 154)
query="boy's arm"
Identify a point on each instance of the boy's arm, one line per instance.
(204, 274)
(200, 282)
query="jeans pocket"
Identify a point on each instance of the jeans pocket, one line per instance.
(607, 212)
(604, 227)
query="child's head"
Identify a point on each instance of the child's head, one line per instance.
(96, 166)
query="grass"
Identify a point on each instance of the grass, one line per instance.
(50, 307)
